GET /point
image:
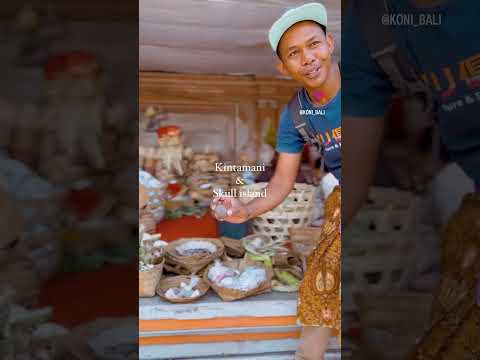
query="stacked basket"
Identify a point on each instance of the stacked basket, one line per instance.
(149, 279)
(304, 240)
(187, 265)
(152, 197)
(203, 162)
(151, 261)
(380, 244)
(294, 212)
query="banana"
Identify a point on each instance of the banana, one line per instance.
(262, 258)
(287, 278)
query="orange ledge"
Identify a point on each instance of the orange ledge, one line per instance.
(202, 339)
(216, 323)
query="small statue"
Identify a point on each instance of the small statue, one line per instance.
(75, 112)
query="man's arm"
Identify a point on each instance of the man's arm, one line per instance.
(279, 186)
(278, 189)
(361, 139)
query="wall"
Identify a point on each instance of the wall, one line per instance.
(248, 102)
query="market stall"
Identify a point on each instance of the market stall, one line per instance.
(183, 311)
(209, 103)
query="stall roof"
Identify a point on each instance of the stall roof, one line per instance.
(215, 36)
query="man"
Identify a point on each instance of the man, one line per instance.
(448, 60)
(304, 50)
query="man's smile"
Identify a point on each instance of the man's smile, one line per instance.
(312, 72)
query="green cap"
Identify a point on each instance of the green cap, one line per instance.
(312, 11)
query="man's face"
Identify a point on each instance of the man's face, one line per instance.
(306, 54)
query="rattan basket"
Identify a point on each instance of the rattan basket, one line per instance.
(390, 207)
(294, 212)
(188, 265)
(380, 245)
(234, 294)
(147, 219)
(148, 158)
(148, 280)
(304, 240)
(175, 281)
(376, 261)
(264, 245)
(233, 247)
(203, 162)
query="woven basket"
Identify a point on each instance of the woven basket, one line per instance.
(380, 197)
(287, 260)
(147, 158)
(202, 195)
(389, 206)
(204, 162)
(157, 211)
(148, 280)
(294, 212)
(233, 247)
(304, 240)
(279, 286)
(142, 196)
(148, 221)
(188, 265)
(175, 281)
(233, 294)
(153, 200)
(385, 262)
(266, 246)
(198, 189)
(388, 260)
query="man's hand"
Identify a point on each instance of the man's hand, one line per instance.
(229, 209)
(234, 211)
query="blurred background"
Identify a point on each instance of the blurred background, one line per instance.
(68, 203)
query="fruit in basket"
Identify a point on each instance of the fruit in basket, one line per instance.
(261, 258)
(263, 245)
(287, 278)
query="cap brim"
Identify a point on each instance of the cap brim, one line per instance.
(308, 12)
